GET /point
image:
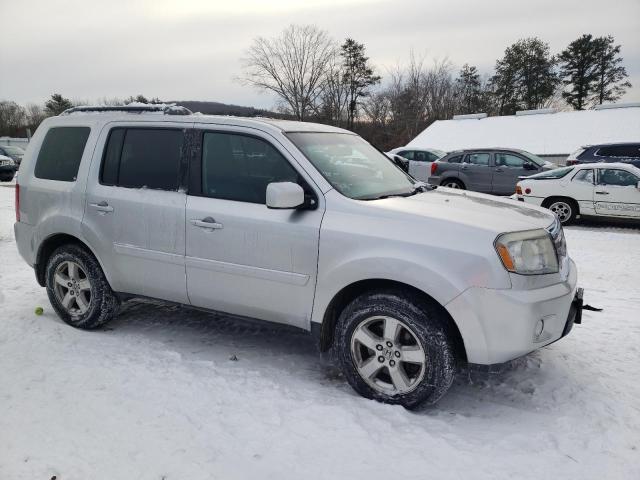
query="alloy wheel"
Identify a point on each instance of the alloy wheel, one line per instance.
(388, 355)
(72, 287)
(562, 210)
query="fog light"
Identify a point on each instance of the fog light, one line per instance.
(539, 329)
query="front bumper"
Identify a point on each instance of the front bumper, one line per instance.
(500, 325)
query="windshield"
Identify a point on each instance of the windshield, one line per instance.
(13, 150)
(534, 158)
(555, 173)
(352, 166)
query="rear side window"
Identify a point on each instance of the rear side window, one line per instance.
(627, 151)
(61, 152)
(408, 154)
(456, 159)
(478, 159)
(143, 157)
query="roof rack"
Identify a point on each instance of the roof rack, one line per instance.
(158, 108)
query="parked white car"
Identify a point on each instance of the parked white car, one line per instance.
(297, 223)
(598, 189)
(420, 160)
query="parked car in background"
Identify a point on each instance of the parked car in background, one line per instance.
(297, 223)
(420, 160)
(401, 162)
(599, 189)
(8, 168)
(607, 152)
(487, 170)
(11, 151)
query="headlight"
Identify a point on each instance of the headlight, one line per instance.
(528, 253)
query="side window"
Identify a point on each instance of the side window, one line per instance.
(239, 167)
(61, 152)
(478, 159)
(143, 157)
(420, 157)
(508, 160)
(431, 157)
(456, 159)
(632, 151)
(621, 178)
(585, 176)
(408, 154)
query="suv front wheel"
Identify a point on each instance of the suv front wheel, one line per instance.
(78, 289)
(394, 347)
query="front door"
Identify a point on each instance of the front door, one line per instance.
(508, 167)
(134, 213)
(476, 171)
(617, 193)
(242, 257)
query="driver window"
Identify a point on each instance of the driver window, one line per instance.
(478, 159)
(620, 178)
(508, 160)
(239, 167)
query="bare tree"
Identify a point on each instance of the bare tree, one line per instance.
(12, 117)
(35, 114)
(292, 66)
(335, 94)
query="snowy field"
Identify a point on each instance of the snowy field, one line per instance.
(156, 394)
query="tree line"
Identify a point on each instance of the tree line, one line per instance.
(315, 78)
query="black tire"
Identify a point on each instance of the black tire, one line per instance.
(566, 209)
(428, 324)
(6, 177)
(450, 182)
(102, 304)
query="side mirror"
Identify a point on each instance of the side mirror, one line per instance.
(284, 195)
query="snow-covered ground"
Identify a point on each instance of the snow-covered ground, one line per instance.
(157, 396)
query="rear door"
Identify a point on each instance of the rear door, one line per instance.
(476, 171)
(135, 209)
(420, 166)
(242, 257)
(508, 167)
(617, 193)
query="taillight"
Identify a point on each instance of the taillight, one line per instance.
(434, 167)
(17, 202)
(518, 190)
(527, 191)
(571, 162)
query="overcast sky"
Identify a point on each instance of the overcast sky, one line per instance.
(191, 49)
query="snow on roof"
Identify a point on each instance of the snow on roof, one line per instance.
(541, 132)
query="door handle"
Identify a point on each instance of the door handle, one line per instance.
(602, 193)
(207, 223)
(102, 207)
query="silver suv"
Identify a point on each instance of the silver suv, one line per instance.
(296, 223)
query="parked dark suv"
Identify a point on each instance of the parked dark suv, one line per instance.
(488, 170)
(608, 152)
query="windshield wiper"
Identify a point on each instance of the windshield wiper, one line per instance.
(418, 187)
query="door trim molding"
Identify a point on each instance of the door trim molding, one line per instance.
(147, 254)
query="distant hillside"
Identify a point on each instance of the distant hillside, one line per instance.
(217, 108)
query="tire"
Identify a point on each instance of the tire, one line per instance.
(422, 335)
(6, 177)
(83, 288)
(565, 209)
(453, 183)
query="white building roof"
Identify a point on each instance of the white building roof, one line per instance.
(541, 132)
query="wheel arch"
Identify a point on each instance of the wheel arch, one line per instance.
(49, 245)
(348, 293)
(550, 199)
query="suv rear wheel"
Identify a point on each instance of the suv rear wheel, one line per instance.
(77, 288)
(453, 183)
(394, 347)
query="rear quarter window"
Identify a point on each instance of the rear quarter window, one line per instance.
(455, 159)
(61, 152)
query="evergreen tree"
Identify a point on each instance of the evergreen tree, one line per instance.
(525, 77)
(469, 89)
(57, 104)
(358, 75)
(610, 74)
(578, 63)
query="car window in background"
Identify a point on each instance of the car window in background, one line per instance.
(478, 159)
(584, 176)
(534, 158)
(508, 160)
(620, 178)
(419, 156)
(352, 166)
(438, 153)
(632, 151)
(555, 173)
(456, 159)
(408, 154)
